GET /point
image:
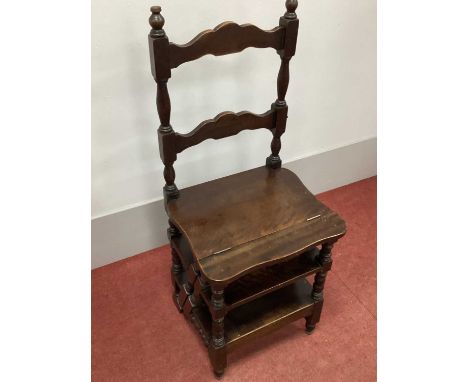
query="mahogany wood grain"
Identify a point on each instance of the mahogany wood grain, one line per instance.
(159, 53)
(217, 348)
(290, 23)
(267, 279)
(241, 245)
(226, 38)
(253, 234)
(228, 266)
(225, 125)
(268, 313)
(263, 315)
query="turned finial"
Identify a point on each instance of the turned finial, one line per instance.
(157, 22)
(291, 6)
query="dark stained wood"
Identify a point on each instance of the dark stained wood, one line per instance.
(166, 139)
(177, 268)
(163, 103)
(325, 260)
(266, 280)
(241, 245)
(159, 53)
(291, 6)
(253, 234)
(290, 24)
(159, 46)
(226, 38)
(225, 125)
(310, 326)
(282, 82)
(248, 206)
(176, 275)
(274, 160)
(268, 313)
(182, 248)
(267, 251)
(192, 300)
(179, 280)
(319, 282)
(263, 315)
(217, 348)
(201, 318)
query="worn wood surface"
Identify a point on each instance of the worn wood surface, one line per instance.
(249, 220)
(263, 315)
(266, 280)
(241, 245)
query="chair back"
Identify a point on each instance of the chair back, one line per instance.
(226, 38)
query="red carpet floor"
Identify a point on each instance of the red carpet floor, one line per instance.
(137, 334)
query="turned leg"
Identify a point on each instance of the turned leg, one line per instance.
(217, 348)
(176, 267)
(176, 271)
(319, 283)
(309, 325)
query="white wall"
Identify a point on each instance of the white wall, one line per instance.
(332, 92)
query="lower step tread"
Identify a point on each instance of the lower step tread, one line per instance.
(261, 316)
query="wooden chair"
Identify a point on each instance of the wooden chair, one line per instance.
(241, 245)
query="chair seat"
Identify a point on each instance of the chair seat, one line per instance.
(251, 219)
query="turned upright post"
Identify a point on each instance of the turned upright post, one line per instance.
(217, 347)
(177, 268)
(290, 23)
(325, 260)
(159, 54)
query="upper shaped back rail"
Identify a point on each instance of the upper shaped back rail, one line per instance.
(226, 38)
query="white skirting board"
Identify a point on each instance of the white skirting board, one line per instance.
(126, 233)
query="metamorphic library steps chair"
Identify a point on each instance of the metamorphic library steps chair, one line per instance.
(242, 245)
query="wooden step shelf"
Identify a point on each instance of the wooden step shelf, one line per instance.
(267, 280)
(261, 316)
(255, 304)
